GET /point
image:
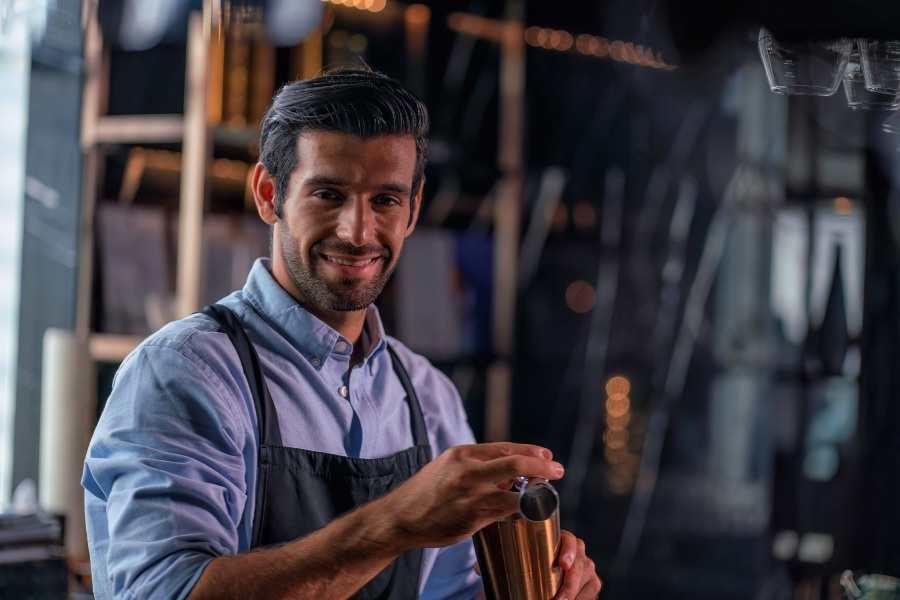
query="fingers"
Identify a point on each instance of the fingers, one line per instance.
(568, 549)
(499, 504)
(580, 580)
(501, 469)
(571, 584)
(506, 484)
(592, 585)
(500, 449)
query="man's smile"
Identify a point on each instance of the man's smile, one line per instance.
(351, 265)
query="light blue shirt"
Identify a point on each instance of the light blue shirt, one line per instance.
(170, 474)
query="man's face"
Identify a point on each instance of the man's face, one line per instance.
(346, 214)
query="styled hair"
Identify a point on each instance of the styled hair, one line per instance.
(356, 101)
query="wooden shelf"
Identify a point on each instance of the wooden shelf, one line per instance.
(136, 129)
(161, 129)
(109, 347)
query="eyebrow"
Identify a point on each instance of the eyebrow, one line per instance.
(315, 180)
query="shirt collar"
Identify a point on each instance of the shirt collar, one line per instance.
(311, 336)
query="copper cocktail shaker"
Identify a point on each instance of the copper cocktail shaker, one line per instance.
(517, 555)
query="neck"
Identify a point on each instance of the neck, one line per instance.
(349, 323)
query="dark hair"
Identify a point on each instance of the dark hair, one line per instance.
(360, 102)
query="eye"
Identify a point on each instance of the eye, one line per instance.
(329, 195)
(385, 200)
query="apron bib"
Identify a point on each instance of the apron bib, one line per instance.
(299, 491)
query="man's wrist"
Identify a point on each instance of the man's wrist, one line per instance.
(382, 529)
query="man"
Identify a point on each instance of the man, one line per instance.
(283, 420)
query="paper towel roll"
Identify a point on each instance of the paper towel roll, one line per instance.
(68, 414)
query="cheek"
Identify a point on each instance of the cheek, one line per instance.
(396, 247)
(307, 229)
(394, 232)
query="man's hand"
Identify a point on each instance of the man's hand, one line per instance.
(580, 580)
(462, 490)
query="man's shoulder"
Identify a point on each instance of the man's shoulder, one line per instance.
(196, 335)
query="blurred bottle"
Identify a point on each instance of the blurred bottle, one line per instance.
(870, 586)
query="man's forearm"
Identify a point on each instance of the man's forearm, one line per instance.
(333, 562)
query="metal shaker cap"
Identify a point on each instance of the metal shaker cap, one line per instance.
(538, 500)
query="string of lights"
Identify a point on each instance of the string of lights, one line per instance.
(369, 5)
(617, 442)
(559, 40)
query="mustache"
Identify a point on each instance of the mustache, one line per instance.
(346, 249)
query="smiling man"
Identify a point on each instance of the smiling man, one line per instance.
(279, 444)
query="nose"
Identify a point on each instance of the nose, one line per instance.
(356, 223)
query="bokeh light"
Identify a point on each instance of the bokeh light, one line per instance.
(580, 297)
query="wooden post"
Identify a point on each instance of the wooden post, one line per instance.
(507, 220)
(416, 20)
(91, 106)
(195, 157)
(312, 54)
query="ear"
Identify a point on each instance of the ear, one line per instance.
(263, 186)
(416, 207)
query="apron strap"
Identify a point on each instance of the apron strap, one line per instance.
(420, 433)
(269, 433)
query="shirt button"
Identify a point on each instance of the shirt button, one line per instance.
(315, 362)
(341, 346)
(344, 391)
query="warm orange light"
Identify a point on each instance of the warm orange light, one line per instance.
(369, 5)
(580, 297)
(560, 217)
(618, 422)
(843, 205)
(615, 456)
(618, 406)
(618, 384)
(631, 54)
(617, 50)
(583, 43)
(616, 439)
(417, 14)
(584, 215)
(555, 39)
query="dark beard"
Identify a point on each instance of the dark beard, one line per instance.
(346, 295)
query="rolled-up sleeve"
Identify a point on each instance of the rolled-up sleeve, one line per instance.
(164, 477)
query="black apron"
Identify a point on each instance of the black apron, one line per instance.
(299, 491)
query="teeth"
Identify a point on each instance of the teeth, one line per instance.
(350, 263)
